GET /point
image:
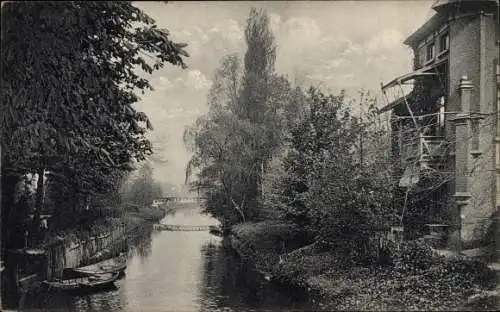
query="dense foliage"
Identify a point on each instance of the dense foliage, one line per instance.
(327, 185)
(266, 150)
(417, 279)
(141, 189)
(69, 82)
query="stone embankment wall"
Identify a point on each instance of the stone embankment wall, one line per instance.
(70, 253)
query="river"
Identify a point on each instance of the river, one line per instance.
(180, 271)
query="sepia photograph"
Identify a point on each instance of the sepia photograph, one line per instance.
(246, 156)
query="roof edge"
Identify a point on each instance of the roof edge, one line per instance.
(441, 4)
(441, 7)
(432, 23)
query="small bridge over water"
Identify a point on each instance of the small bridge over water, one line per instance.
(178, 227)
(176, 199)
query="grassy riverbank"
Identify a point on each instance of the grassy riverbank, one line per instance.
(133, 217)
(414, 278)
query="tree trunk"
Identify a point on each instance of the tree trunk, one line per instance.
(38, 202)
(261, 180)
(239, 209)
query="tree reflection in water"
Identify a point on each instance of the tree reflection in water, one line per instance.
(229, 283)
(142, 245)
(53, 301)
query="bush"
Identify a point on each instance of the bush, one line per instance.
(299, 269)
(412, 256)
(417, 257)
(130, 207)
(266, 236)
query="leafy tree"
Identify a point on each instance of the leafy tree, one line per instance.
(325, 188)
(226, 87)
(143, 189)
(243, 130)
(223, 157)
(259, 66)
(254, 101)
(68, 85)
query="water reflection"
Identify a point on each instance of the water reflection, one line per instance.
(142, 246)
(189, 215)
(178, 271)
(230, 285)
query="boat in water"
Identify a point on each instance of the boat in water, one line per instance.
(114, 265)
(83, 283)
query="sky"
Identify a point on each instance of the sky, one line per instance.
(335, 45)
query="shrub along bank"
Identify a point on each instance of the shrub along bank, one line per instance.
(134, 216)
(410, 277)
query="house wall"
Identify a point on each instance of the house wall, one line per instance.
(483, 183)
(473, 55)
(473, 52)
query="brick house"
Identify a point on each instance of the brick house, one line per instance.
(445, 132)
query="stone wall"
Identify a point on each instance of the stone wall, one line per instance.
(71, 253)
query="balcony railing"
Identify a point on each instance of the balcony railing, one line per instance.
(424, 149)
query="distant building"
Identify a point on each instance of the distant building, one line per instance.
(448, 125)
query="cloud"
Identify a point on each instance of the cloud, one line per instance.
(274, 21)
(209, 42)
(197, 80)
(353, 49)
(296, 35)
(337, 63)
(187, 81)
(229, 30)
(164, 83)
(384, 40)
(304, 28)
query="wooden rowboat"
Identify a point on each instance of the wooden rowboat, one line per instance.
(83, 284)
(115, 265)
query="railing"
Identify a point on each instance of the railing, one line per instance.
(177, 227)
(181, 200)
(424, 148)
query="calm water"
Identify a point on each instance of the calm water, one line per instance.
(180, 271)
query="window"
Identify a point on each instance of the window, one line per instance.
(444, 42)
(430, 52)
(441, 116)
(421, 55)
